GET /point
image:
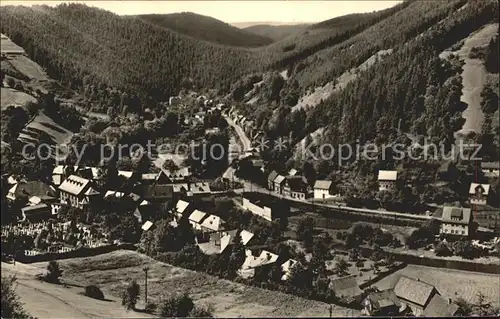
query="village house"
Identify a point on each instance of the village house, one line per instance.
(387, 180)
(490, 169)
(478, 193)
(456, 221)
(347, 289)
(296, 187)
(182, 208)
(147, 225)
(286, 267)
(382, 303)
(258, 209)
(323, 189)
(270, 180)
(44, 199)
(156, 193)
(199, 189)
(293, 172)
(212, 224)
(257, 265)
(423, 299)
(219, 241)
(25, 190)
(279, 184)
(196, 218)
(77, 192)
(172, 177)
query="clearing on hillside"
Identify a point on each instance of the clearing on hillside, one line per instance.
(112, 271)
(9, 96)
(42, 125)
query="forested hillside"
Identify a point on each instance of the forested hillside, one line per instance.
(276, 32)
(207, 29)
(89, 47)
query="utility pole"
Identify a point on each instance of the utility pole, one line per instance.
(146, 269)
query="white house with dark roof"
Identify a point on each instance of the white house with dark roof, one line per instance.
(171, 177)
(323, 189)
(196, 218)
(478, 193)
(456, 221)
(387, 180)
(77, 192)
(253, 263)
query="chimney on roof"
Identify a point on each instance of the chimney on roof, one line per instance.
(449, 301)
(418, 279)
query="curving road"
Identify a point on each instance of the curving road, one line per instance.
(44, 300)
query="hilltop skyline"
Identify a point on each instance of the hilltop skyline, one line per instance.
(288, 12)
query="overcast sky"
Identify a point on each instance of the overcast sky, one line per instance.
(237, 11)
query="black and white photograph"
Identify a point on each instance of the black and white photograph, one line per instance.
(250, 159)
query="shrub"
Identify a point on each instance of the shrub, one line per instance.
(130, 295)
(93, 291)
(53, 272)
(176, 306)
(150, 307)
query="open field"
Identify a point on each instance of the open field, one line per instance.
(114, 270)
(11, 96)
(29, 68)
(44, 300)
(474, 77)
(451, 283)
(43, 124)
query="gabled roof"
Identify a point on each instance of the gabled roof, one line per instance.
(158, 191)
(279, 179)
(292, 172)
(149, 176)
(490, 165)
(272, 176)
(75, 185)
(286, 267)
(387, 175)
(321, 184)
(28, 189)
(116, 194)
(451, 214)
(213, 222)
(440, 307)
(264, 258)
(384, 298)
(35, 208)
(197, 216)
(147, 225)
(126, 174)
(91, 192)
(483, 189)
(412, 290)
(201, 187)
(346, 286)
(296, 184)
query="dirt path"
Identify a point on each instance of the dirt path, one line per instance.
(473, 78)
(44, 300)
